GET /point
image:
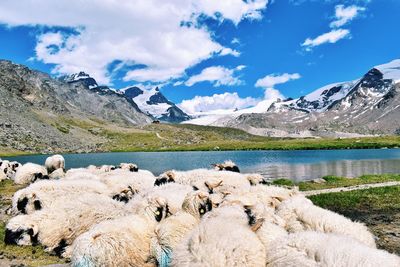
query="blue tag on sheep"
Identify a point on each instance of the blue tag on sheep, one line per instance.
(164, 258)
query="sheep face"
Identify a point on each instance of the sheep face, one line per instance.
(157, 209)
(20, 232)
(255, 221)
(226, 166)
(39, 176)
(167, 177)
(28, 203)
(125, 195)
(129, 166)
(209, 185)
(197, 203)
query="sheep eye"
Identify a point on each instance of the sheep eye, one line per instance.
(202, 211)
(158, 214)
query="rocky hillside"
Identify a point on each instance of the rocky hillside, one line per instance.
(32, 104)
(369, 105)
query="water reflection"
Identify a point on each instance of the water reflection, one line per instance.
(346, 168)
(296, 165)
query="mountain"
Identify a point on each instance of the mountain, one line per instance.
(366, 106)
(154, 103)
(36, 106)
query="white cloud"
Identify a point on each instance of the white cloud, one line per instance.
(271, 80)
(216, 102)
(217, 75)
(141, 32)
(345, 14)
(329, 37)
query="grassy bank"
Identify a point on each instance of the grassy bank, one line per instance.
(382, 199)
(176, 137)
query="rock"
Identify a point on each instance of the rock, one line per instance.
(319, 181)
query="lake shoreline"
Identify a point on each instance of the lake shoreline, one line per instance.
(273, 148)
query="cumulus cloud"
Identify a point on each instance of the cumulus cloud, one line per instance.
(217, 75)
(216, 102)
(345, 14)
(160, 37)
(329, 37)
(271, 80)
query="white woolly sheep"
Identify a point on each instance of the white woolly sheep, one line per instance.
(223, 238)
(173, 193)
(129, 166)
(320, 249)
(120, 242)
(41, 194)
(54, 162)
(228, 165)
(57, 226)
(300, 214)
(125, 184)
(57, 174)
(173, 229)
(29, 173)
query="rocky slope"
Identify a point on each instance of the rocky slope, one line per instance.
(32, 103)
(369, 105)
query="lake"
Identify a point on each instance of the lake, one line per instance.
(296, 165)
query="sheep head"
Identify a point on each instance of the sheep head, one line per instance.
(20, 230)
(226, 166)
(197, 203)
(166, 177)
(157, 208)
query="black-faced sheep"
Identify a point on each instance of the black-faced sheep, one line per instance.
(223, 238)
(29, 173)
(228, 165)
(173, 229)
(54, 162)
(57, 226)
(123, 241)
(41, 194)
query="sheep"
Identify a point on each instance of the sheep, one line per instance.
(270, 196)
(57, 174)
(129, 166)
(228, 165)
(300, 214)
(321, 249)
(125, 184)
(124, 241)
(29, 173)
(173, 229)
(54, 162)
(57, 226)
(174, 194)
(120, 242)
(223, 238)
(41, 194)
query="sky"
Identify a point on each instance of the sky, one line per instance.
(205, 55)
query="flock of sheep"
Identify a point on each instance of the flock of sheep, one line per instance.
(123, 216)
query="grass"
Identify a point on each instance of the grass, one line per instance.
(382, 199)
(186, 137)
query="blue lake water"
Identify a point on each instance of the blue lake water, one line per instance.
(296, 165)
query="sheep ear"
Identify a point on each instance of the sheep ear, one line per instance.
(257, 225)
(202, 195)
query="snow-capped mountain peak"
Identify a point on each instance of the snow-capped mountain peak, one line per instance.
(154, 103)
(81, 77)
(390, 70)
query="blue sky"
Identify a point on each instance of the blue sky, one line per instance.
(204, 48)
